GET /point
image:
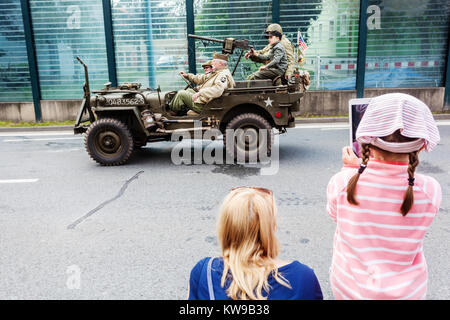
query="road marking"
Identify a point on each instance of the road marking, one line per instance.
(18, 180)
(41, 139)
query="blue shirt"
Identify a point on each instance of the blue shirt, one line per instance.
(302, 279)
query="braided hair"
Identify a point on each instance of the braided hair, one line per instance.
(351, 186)
(408, 198)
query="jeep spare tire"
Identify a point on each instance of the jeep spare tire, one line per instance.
(109, 142)
(250, 137)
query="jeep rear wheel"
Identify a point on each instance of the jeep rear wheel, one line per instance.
(109, 142)
(251, 137)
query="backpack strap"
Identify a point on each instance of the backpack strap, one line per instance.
(209, 279)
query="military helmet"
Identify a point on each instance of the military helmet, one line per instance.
(274, 27)
(220, 56)
(207, 64)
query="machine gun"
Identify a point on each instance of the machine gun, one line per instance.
(228, 46)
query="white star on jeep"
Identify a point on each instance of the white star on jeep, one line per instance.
(268, 102)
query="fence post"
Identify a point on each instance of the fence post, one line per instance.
(318, 73)
(275, 11)
(362, 47)
(150, 56)
(109, 38)
(190, 29)
(32, 62)
(447, 77)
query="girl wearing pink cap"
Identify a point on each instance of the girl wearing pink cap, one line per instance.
(381, 206)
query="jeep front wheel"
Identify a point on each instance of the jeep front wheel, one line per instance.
(248, 136)
(109, 142)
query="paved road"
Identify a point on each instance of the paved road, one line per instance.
(71, 229)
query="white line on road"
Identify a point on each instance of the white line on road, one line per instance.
(41, 139)
(18, 180)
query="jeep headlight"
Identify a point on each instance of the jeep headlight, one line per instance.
(101, 101)
(93, 101)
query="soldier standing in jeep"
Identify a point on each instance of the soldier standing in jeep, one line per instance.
(210, 86)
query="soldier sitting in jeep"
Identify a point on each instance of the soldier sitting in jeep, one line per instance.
(276, 59)
(289, 48)
(210, 86)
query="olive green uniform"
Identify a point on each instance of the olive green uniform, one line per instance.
(182, 102)
(210, 86)
(276, 66)
(288, 47)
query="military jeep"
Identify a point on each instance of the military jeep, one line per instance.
(117, 120)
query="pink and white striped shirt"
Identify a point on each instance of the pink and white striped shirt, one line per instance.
(377, 252)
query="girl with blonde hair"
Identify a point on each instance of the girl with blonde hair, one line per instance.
(248, 268)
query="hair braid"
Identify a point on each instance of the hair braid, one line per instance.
(408, 199)
(351, 186)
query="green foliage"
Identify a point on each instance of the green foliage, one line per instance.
(36, 124)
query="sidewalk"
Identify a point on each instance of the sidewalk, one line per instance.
(298, 120)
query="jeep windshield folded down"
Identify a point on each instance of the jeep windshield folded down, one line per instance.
(116, 120)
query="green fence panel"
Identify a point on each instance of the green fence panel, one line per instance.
(235, 19)
(407, 43)
(15, 82)
(63, 30)
(150, 42)
(330, 29)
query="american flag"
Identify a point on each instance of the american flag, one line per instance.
(301, 42)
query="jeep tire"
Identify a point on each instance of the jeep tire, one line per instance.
(250, 125)
(109, 142)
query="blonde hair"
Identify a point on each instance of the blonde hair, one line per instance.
(246, 232)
